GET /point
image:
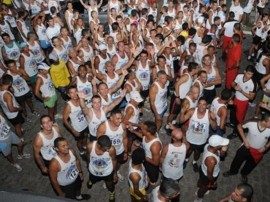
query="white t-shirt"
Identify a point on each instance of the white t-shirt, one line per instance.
(238, 10)
(247, 86)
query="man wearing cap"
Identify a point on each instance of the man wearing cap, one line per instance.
(210, 167)
(255, 143)
(45, 91)
(101, 58)
(131, 118)
(28, 63)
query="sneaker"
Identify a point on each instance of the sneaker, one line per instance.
(83, 197)
(104, 186)
(244, 179)
(35, 113)
(185, 164)
(230, 125)
(89, 184)
(195, 167)
(251, 104)
(58, 116)
(249, 58)
(198, 200)
(17, 166)
(232, 136)
(120, 177)
(112, 197)
(228, 174)
(23, 156)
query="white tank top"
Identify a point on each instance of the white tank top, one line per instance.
(111, 83)
(105, 102)
(143, 74)
(211, 77)
(10, 19)
(69, 171)
(25, 29)
(154, 197)
(4, 129)
(206, 154)
(47, 88)
(267, 85)
(111, 52)
(62, 54)
(161, 98)
(185, 87)
(121, 61)
(115, 5)
(90, 9)
(9, 114)
(35, 9)
(86, 89)
(30, 64)
(6, 28)
(116, 137)
(13, 53)
(142, 173)
(165, 69)
(198, 129)
(136, 115)
(200, 86)
(47, 150)
(41, 32)
(133, 88)
(78, 35)
(114, 36)
(100, 165)
(191, 103)
(67, 44)
(95, 122)
(77, 118)
(259, 30)
(19, 85)
(260, 67)
(87, 54)
(215, 106)
(101, 65)
(70, 16)
(36, 50)
(172, 166)
(75, 66)
(147, 146)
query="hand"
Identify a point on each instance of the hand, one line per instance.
(125, 156)
(75, 133)
(94, 81)
(157, 116)
(237, 88)
(62, 194)
(44, 170)
(123, 93)
(171, 126)
(45, 99)
(246, 143)
(124, 72)
(115, 177)
(81, 94)
(177, 100)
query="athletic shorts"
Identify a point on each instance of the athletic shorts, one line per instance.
(18, 119)
(144, 94)
(175, 108)
(256, 40)
(162, 113)
(203, 179)
(152, 171)
(51, 102)
(92, 138)
(5, 145)
(83, 134)
(24, 97)
(72, 190)
(120, 158)
(199, 148)
(94, 178)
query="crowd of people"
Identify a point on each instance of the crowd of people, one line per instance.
(108, 75)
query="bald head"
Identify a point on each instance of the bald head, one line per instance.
(177, 134)
(194, 92)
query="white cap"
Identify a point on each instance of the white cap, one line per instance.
(216, 140)
(43, 66)
(53, 56)
(135, 95)
(102, 47)
(200, 19)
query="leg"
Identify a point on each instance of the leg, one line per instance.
(18, 130)
(158, 120)
(30, 104)
(51, 112)
(241, 155)
(249, 165)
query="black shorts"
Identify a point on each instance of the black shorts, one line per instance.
(120, 158)
(203, 179)
(152, 171)
(18, 119)
(144, 94)
(94, 178)
(209, 95)
(132, 136)
(198, 148)
(23, 98)
(72, 189)
(83, 134)
(92, 138)
(260, 10)
(256, 40)
(174, 108)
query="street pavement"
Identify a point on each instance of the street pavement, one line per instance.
(32, 180)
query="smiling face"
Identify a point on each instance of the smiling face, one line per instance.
(116, 119)
(47, 123)
(63, 147)
(103, 89)
(202, 106)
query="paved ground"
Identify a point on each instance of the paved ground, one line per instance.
(31, 179)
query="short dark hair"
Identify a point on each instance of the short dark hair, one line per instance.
(247, 191)
(116, 111)
(71, 87)
(265, 116)
(104, 141)
(95, 97)
(43, 117)
(138, 156)
(151, 127)
(7, 79)
(236, 38)
(192, 65)
(226, 94)
(169, 188)
(57, 140)
(250, 68)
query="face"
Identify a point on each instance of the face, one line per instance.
(248, 75)
(203, 77)
(116, 119)
(195, 93)
(143, 57)
(110, 67)
(96, 103)
(51, 23)
(46, 124)
(82, 71)
(162, 79)
(103, 89)
(73, 53)
(6, 39)
(56, 42)
(211, 51)
(12, 66)
(64, 32)
(110, 41)
(236, 196)
(73, 94)
(69, 5)
(207, 61)
(161, 62)
(121, 46)
(63, 147)
(202, 106)
(192, 49)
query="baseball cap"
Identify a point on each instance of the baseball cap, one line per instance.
(102, 47)
(216, 140)
(135, 95)
(53, 56)
(23, 44)
(43, 66)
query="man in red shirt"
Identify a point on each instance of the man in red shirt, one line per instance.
(234, 53)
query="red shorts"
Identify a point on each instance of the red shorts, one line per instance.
(240, 109)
